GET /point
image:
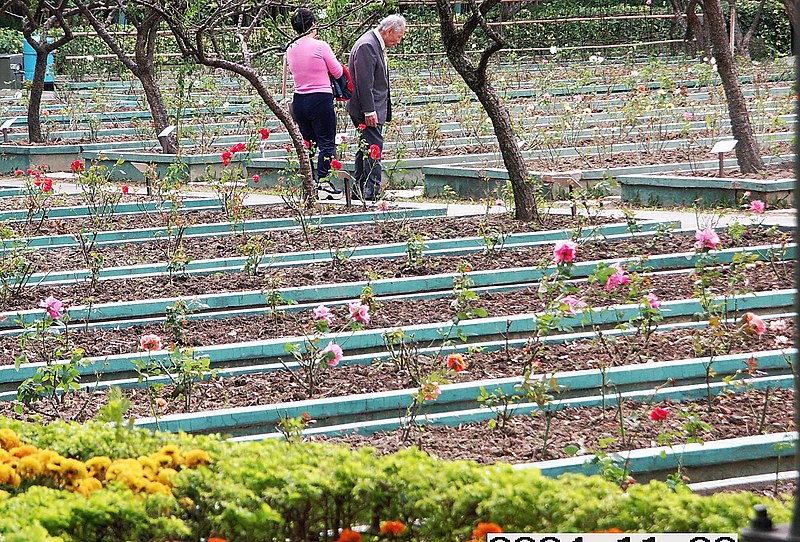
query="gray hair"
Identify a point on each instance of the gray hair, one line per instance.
(392, 23)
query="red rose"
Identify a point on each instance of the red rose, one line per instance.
(238, 147)
(264, 133)
(256, 178)
(226, 157)
(124, 188)
(78, 166)
(659, 414)
(288, 148)
(336, 164)
(47, 185)
(19, 172)
(362, 126)
(374, 152)
(306, 144)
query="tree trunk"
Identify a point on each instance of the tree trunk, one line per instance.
(455, 45)
(35, 103)
(158, 110)
(678, 27)
(791, 11)
(740, 45)
(524, 197)
(747, 150)
(694, 28)
(144, 53)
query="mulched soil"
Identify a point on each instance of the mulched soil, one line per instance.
(342, 237)
(352, 270)
(771, 172)
(151, 219)
(280, 386)
(522, 438)
(389, 314)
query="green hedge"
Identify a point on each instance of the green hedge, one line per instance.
(273, 490)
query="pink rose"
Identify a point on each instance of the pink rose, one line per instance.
(53, 307)
(653, 300)
(755, 322)
(564, 252)
(706, 239)
(573, 303)
(333, 353)
(617, 279)
(431, 391)
(757, 206)
(359, 312)
(323, 313)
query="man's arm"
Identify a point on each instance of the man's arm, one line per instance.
(364, 80)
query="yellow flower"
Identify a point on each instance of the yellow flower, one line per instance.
(155, 487)
(123, 467)
(9, 439)
(8, 476)
(98, 465)
(72, 469)
(54, 463)
(23, 449)
(30, 467)
(173, 452)
(165, 476)
(149, 465)
(4, 456)
(196, 457)
(163, 460)
(84, 486)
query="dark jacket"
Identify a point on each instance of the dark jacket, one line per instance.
(370, 80)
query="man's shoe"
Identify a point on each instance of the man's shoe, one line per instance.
(327, 191)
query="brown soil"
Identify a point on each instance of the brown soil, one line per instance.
(279, 386)
(389, 314)
(352, 270)
(521, 440)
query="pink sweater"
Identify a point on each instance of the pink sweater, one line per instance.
(310, 60)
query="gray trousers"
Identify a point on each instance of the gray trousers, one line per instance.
(368, 170)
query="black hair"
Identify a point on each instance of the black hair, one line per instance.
(303, 20)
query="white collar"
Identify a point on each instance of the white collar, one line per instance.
(380, 40)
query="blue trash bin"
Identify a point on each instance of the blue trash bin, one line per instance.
(29, 62)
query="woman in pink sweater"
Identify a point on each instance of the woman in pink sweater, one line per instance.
(310, 61)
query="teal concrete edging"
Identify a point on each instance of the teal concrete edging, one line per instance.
(441, 283)
(232, 420)
(363, 341)
(668, 190)
(56, 157)
(688, 455)
(464, 245)
(459, 401)
(83, 211)
(111, 237)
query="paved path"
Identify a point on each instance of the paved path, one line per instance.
(405, 198)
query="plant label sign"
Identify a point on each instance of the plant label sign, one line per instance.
(7, 124)
(724, 145)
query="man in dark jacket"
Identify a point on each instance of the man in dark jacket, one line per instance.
(371, 105)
